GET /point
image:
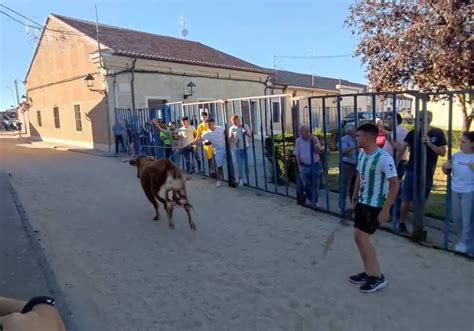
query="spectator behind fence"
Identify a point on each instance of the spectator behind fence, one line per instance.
(206, 146)
(239, 150)
(349, 162)
(185, 146)
(174, 140)
(462, 192)
(381, 136)
(132, 138)
(117, 130)
(401, 157)
(216, 135)
(165, 136)
(435, 143)
(306, 151)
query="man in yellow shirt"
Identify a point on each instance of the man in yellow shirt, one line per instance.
(207, 146)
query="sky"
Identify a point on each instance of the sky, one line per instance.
(259, 31)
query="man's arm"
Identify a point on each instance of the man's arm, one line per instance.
(384, 214)
(355, 194)
(248, 131)
(439, 150)
(317, 145)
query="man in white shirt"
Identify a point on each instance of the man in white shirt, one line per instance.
(375, 190)
(185, 144)
(216, 135)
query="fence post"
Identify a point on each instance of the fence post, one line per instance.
(295, 126)
(326, 153)
(448, 208)
(394, 133)
(230, 163)
(420, 172)
(342, 200)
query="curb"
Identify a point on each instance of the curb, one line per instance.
(43, 264)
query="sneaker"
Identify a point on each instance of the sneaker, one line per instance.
(359, 279)
(241, 182)
(188, 177)
(460, 248)
(402, 228)
(219, 183)
(373, 284)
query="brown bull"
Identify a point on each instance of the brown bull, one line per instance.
(163, 176)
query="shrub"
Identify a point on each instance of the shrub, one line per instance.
(290, 170)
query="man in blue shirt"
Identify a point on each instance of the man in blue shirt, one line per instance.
(306, 151)
(349, 162)
(117, 129)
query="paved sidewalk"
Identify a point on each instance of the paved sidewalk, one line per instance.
(24, 272)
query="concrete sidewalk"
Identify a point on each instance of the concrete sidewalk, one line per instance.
(25, 272)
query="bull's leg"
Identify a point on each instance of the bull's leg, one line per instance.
(181, 199)
(152, 199)
(192, 225)
(169, 209)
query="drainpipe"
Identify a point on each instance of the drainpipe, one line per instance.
(132, 83)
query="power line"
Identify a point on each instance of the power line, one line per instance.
(29, 19)
(18, 21)
(39, 26)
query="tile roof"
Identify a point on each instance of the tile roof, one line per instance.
(289, 78)
(163, 48)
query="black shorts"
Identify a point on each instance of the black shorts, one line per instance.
(366, 218)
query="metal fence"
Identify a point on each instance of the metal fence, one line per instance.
(275, 120)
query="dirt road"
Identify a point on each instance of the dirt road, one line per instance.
(257, 261)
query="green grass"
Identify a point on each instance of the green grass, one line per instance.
(436, 202)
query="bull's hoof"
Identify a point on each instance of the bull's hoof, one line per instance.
(171, 225)
(156, 218)
(193, 226)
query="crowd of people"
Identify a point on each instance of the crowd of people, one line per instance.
(399, 143)
(188, 144)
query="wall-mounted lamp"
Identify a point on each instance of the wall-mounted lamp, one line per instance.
(191, 89)
(90, 80)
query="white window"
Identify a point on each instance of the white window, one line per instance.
(276, 112)
(38, 118)
(78, 117)
(57, 123)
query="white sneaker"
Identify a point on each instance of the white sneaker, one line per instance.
(241, 182)
(460, 248)
(219, 183)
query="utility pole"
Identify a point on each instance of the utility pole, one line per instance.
(16, 90)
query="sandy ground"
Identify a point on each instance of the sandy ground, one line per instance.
(257, 261)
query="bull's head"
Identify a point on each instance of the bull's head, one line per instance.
(138, 162)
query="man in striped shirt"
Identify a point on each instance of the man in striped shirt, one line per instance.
(375, 190)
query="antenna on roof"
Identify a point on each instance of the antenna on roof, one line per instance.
(182, 23)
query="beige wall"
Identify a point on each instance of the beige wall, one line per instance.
(56, 79)
(171, 79)
(440, 111)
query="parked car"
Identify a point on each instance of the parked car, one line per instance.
(362, 117)
(9, 123)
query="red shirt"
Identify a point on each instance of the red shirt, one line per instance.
(381, 138)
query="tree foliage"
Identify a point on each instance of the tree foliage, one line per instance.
(425, 45)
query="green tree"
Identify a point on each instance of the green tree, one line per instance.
(421, 44)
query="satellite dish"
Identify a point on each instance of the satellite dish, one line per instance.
(184, 33)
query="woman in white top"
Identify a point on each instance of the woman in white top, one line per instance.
(462, 191)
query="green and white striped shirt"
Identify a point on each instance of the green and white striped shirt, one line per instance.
(374, 171)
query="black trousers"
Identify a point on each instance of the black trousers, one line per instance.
(119, 139)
